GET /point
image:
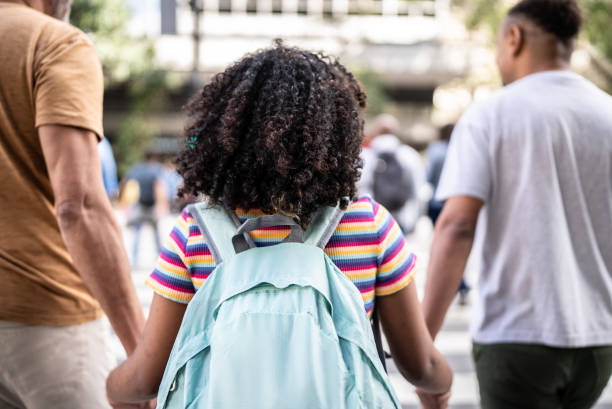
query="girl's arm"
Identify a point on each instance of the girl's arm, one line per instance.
(412, 348)
(138, 378)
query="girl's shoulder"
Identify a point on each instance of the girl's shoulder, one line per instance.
(363, 219)
(364, 213)
(364, 206)
(366, 209)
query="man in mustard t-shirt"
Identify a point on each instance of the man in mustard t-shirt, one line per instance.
(62, 261)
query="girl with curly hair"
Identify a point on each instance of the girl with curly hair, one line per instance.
(279, 132)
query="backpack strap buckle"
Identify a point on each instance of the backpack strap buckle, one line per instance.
(240, 243)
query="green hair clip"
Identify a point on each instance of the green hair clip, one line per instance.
(193, 141)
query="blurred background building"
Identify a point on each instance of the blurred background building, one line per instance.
(405, 48)
(423, 61)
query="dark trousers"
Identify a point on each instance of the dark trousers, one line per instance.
(523, 376)
(142, 214)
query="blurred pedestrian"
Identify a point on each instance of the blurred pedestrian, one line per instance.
(435, 157)
(393, 173)
(172, 181)
(62, 262)
(279, 133)
(534, 161)
(109, 168)
(152, 200)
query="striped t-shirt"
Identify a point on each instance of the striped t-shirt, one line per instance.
(367, 246)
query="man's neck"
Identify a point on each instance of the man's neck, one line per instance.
(542, 66)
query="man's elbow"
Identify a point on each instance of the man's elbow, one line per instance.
(459, 218)
(69, 212)
(457, 229)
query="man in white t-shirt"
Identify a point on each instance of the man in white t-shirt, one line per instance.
(529, 174)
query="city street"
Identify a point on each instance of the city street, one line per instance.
(491, 118)
(453, 341)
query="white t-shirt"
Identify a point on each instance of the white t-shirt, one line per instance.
(539, 154)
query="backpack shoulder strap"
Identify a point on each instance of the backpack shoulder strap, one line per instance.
(323, 225)
(218, 226)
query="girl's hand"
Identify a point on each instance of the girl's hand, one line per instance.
(138, 377)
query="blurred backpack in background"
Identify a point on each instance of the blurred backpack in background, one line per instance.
(393, 184)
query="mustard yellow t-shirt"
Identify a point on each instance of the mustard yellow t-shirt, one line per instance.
(49, 74)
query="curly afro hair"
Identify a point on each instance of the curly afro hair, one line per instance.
(559, 17)
(279, 130)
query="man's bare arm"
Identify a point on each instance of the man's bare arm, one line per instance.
(89, 229)
(450, 249)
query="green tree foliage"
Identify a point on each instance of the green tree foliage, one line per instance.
(486, 12)
(598, 24)
(597, 19)
(374, 88)
(128, 65)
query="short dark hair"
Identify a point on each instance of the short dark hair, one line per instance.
(561, 18)
(279, 130)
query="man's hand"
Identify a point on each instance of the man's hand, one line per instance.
(430, 401)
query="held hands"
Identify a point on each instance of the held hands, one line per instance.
(140, 405)
(433, 401)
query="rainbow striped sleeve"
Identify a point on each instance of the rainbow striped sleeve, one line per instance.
(367, 246)
(396, 265)
(171, 278)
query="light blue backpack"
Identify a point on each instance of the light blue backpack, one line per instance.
(277, 327)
